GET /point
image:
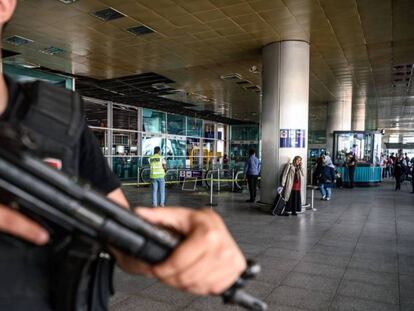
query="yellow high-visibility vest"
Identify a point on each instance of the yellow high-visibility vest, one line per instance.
(157, 170)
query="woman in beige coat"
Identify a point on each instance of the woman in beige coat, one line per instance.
(292, 179)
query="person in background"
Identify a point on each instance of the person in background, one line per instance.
(158, 168)
(393, 158)
(406, 160)
(251, 173)
(389, 167)
(317, 169)
(412, 174)
(327, 179)
(407, 164)
(225, 162)
(383, 165)
(351, 165)
(399, 170)
(292, 180)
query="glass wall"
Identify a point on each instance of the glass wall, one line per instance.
(153, 121)
(176, 124)
(176, 148)
(245, 132)
(194, 127)
(243, 138)
(134, 132)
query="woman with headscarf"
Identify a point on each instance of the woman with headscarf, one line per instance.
(292, 179)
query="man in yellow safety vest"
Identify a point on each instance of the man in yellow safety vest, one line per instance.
(157, 174)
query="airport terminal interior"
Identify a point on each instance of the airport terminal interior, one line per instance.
(208, 81)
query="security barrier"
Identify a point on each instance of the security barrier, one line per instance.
(224, 179)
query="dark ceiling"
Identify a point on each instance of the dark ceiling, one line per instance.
(141, 90)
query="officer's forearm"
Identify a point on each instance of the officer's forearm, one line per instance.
(118, 197)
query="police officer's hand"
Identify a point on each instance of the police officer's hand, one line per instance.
(208, 261)
(16, 224)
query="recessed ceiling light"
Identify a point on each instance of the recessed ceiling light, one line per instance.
(67, 1)
(18, 40)
(108, 14)
(140, 30)
(29, 65)
(52, 50)
(231, 76)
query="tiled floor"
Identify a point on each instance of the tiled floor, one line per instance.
(355, 252)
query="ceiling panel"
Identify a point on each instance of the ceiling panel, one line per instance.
(354, 46)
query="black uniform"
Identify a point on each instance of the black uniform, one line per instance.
(399, 169)
(25, 271)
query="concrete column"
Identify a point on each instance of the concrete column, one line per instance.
(358, 114)
(285, 106)
(110, 132)
(339, 119)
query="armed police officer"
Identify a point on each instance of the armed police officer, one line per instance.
(208, 261)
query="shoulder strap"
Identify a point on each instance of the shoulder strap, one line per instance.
(53, 111)
(53, 117)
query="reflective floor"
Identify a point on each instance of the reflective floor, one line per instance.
(356, 252)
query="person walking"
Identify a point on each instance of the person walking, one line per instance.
(317, 169)
(157, 175)
(399, 170)
(327, 179)
(412, 174)
(388, 165)
(351, 164)
(251, 173)
(292, 180)
(393, 159)
(383, 165)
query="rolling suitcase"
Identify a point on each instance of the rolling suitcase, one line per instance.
(279, 205)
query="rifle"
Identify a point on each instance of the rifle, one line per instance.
(50, 196)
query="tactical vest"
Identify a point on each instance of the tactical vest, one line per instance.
(157, 170)
(62, 275)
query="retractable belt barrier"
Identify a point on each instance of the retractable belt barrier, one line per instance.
(183, 181)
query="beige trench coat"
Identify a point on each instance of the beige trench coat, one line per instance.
(287, 180)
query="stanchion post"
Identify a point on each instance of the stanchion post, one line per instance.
(211, 204)
(233, 177)
(218, 177)
(312, 188)
(138, 177)
(313, 198)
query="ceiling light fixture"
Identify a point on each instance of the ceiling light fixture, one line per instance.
(29, 65)
(108, 14)
(52, 51)
(231, 76)
(140, 30)
(67, 1)
(18, 40)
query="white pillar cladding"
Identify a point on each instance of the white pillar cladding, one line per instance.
(285, 107)
(358, 114)
(339, 119)
(110, 132)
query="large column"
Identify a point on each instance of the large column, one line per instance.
(110, 132)
(358, 114)
(285, 109)
(339, 119)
